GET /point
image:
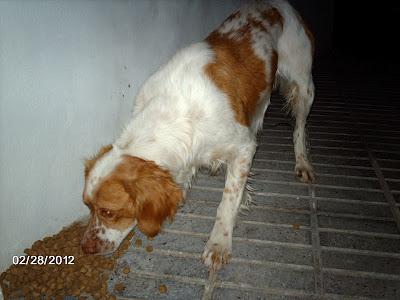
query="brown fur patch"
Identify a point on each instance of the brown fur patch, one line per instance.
(227, 190)
(238, 72)
(243, 174)
(137, 189)
(243, 161)
(273, 17)
(155, 194)
(257, 24)
(111, 197)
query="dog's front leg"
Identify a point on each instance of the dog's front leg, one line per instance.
(219, 246)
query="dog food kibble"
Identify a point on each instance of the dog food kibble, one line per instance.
(126, 270)
(138, 242)
(149, 248)
(162, 289)
(119, 287)
(71, 273)
(296, 226)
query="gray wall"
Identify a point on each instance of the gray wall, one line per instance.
(65, 72)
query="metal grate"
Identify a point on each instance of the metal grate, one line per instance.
(336, 239)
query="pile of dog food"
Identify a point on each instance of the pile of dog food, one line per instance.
(59, 268)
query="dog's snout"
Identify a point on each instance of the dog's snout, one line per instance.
(89, 246)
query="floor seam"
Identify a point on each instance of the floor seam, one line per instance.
(316, 246)
(385, 187)
(209, 286)
(381, 178)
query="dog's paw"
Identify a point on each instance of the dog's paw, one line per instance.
(305, 172)
(215, 255)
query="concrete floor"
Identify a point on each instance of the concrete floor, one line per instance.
(336, 239)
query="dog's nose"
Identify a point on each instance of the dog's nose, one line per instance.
(89, 246)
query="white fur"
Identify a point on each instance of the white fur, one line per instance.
(101, 169)
(114, 236)
(182, 121)
(110, 238)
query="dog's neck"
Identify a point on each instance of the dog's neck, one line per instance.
(152, 141)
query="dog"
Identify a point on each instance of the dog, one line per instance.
(202, 108)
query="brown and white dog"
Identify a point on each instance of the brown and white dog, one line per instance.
(202, 108)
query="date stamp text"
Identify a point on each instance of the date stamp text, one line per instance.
(43, 260)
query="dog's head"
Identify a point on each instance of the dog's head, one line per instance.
(122, 191)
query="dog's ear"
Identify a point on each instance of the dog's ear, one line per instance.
(156, 207)
(156, 196)
(90, 162)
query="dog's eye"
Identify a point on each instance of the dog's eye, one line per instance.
(106, 213)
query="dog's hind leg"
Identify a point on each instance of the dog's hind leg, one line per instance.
(300, 95)
(295, 58)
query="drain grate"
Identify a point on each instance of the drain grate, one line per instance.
(336, 239)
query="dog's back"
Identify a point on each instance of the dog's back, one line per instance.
(254, 47)
(214, 89)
